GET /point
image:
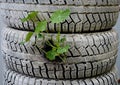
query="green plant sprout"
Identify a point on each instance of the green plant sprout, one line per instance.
(58, 48)
(31, 16)
(57, 45)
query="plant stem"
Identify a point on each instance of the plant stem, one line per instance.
(48, 43)
(61, 58)
(41, 49)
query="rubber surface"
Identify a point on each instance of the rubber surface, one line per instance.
(65, 2)
(57, 70)
(81, 19)
(24, 60)
(81, 45)
(13, 78)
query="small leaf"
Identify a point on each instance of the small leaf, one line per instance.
(30, 16)
(24, 19)
(51, 55)
(58, 37)
(61, 50)
(40, 35)
(29, 35)
(54, 48)
(60, 15)
(23, 42)
(67, 47)
(63, 40)
(41, 26)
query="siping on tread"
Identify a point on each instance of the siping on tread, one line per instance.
(75, 23)
(65, 2)
(13, 78)
(70, 59)
(86, 44)
(58, 70)
(81, 19)
(52, 8)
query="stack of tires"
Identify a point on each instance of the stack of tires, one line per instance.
(88, 30)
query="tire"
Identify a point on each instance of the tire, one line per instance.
(66, 2)
(82, 18)
(52, 70)
(81, 45)
(13, 78)
(12, 37)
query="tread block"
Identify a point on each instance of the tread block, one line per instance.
(74, 70)
(87, 44)
(19, 79)
(65, 2)
(81, 19)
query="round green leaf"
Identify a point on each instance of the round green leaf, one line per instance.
(29, 35)
(51, 55)
(41, 26)
(60, 15)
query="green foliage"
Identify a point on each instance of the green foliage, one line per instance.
(29, 35)
(41, 26)
(57, 52)
(60, 15)
(21, 43)
(63, 40)
(51, 55)
(62, 50)
(57, 42)
(39, 36)
(30, 16)
(58, 46)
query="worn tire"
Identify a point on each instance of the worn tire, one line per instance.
(81, 19)
(23, 59)
(65, 2)
(51, 70)
(13, 78)
(81, 45)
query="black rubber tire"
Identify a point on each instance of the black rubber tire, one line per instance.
(65, 2)
(81, 19)
(57, 70)
(81, 45)
(13, 78)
